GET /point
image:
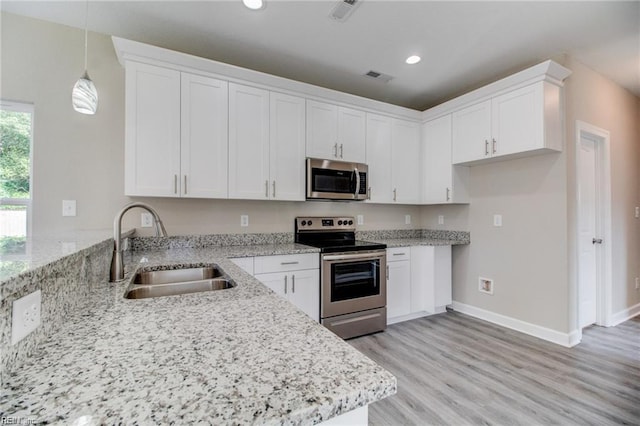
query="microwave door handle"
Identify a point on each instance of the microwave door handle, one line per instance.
(357, 190)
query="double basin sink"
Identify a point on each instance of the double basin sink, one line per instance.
(158, 282)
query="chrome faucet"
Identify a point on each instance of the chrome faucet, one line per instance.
(117, 262)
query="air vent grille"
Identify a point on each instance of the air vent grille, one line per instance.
(343, 9)
(375, 75)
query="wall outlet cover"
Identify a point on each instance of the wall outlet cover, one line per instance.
(68, 207)
(25, 316)
(360, 219)
(244, 220)
(146, 220)
(485, 285)
(637, 212)
(497, 220)
(407, 219)
(440, 219)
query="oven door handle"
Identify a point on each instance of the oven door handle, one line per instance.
(357, 190)
(369, 255)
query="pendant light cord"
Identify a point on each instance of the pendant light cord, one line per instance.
(86, 21)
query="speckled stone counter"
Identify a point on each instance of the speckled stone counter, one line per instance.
(422, 237)
(236, 356)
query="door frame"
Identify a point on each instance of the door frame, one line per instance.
(604, 277)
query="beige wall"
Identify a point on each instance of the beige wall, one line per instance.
(81, 157)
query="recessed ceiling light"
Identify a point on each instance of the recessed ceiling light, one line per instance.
(253, 4)
(414, 59)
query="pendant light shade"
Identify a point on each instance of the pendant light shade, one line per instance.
(84, 97)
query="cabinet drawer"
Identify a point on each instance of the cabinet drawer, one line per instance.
(398, 253)
(290, 262)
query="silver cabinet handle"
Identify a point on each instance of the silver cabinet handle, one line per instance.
(175, 184)
(285, 284)
(395, 191)
(266, 189)
(355, 193)
(596, 241)
(341, 151)
(274, 189)
(448, 194)
(369, 194)
(387, 272)
(486, 147)
(335, 150)
(293, 283)
(494, 145)
(399, 254)
(185, 184)
(289, 263)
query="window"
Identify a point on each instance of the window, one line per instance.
(16, 130)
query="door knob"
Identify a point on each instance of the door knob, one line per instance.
(597, 241)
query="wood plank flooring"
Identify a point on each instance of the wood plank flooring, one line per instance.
(453, 369)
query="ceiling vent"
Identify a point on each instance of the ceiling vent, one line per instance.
(384, 78)
(343, 9)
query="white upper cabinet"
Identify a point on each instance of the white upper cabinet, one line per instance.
(405, 162)
(521, 122)
(442, 183)
(287, 147)
(380, 188)
(176, 137)
(335, 133)
(204, 155)
(248, 142)
(152, 140)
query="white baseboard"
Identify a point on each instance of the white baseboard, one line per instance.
(415, 315)
(623, 315)
(564, 339)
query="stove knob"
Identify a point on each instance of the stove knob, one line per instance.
(309, 223)
(350, 222)
(303, 223)
(339, 222)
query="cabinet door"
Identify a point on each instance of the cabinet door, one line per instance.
(405, 159)
(322, 130)
(379, 158)
(437, 178)
(287, 147)
(351, 135)
(472, 133)
(518, 121)
(422, 279)
(204, 138)
(276, 282)
(152, 140)
(304, 291)
(248, 142)
(399, 289)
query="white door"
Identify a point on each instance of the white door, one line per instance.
(587, 229)
(472, 133)
(405, 161)
(204, 137)
(322, 130)
(437, 179)
(379, 158)
(248, 142)
(351, 135)
(287, 147)
(304, 291)
(152, 142)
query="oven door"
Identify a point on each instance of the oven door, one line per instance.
(336, 180)
(353, 282)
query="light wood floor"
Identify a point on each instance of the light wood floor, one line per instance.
(453, 369)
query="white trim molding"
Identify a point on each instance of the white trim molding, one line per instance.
(624, 315)
(564, 339)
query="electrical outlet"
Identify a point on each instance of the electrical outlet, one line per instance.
(637, 283)
(146, 220)
(244, 220)
(407, 219)
(25, 316)
(637, 212)
(360, 219)
(497, 220)
(440, 219)
(485, 285)
(68, 207)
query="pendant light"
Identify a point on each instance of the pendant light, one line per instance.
(85, 96)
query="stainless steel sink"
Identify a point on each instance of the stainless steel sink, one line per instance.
(171, 282)
(177, 275)
(177, 288)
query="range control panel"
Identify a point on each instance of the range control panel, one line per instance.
(341, 223)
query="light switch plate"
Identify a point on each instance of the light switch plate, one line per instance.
(25, 316)
(360, 219)
(146, 220)
(68, 207)
(637, 212)
(244, 220)
(440, 219)
(497, 220)
(407, 219)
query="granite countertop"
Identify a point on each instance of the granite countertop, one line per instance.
(236, 356)
(408, 242)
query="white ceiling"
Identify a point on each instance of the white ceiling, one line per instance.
(464, 45)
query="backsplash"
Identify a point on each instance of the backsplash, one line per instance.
(213, 240)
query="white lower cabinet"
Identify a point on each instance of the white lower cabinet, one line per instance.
(293, 277)
(419, 281)
(246, 263)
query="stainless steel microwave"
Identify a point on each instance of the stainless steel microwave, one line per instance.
(336, 180)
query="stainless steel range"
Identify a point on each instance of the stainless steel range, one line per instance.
(353, 285)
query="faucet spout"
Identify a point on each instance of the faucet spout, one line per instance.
(117, 261)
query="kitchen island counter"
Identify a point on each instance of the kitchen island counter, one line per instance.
(236, 356)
